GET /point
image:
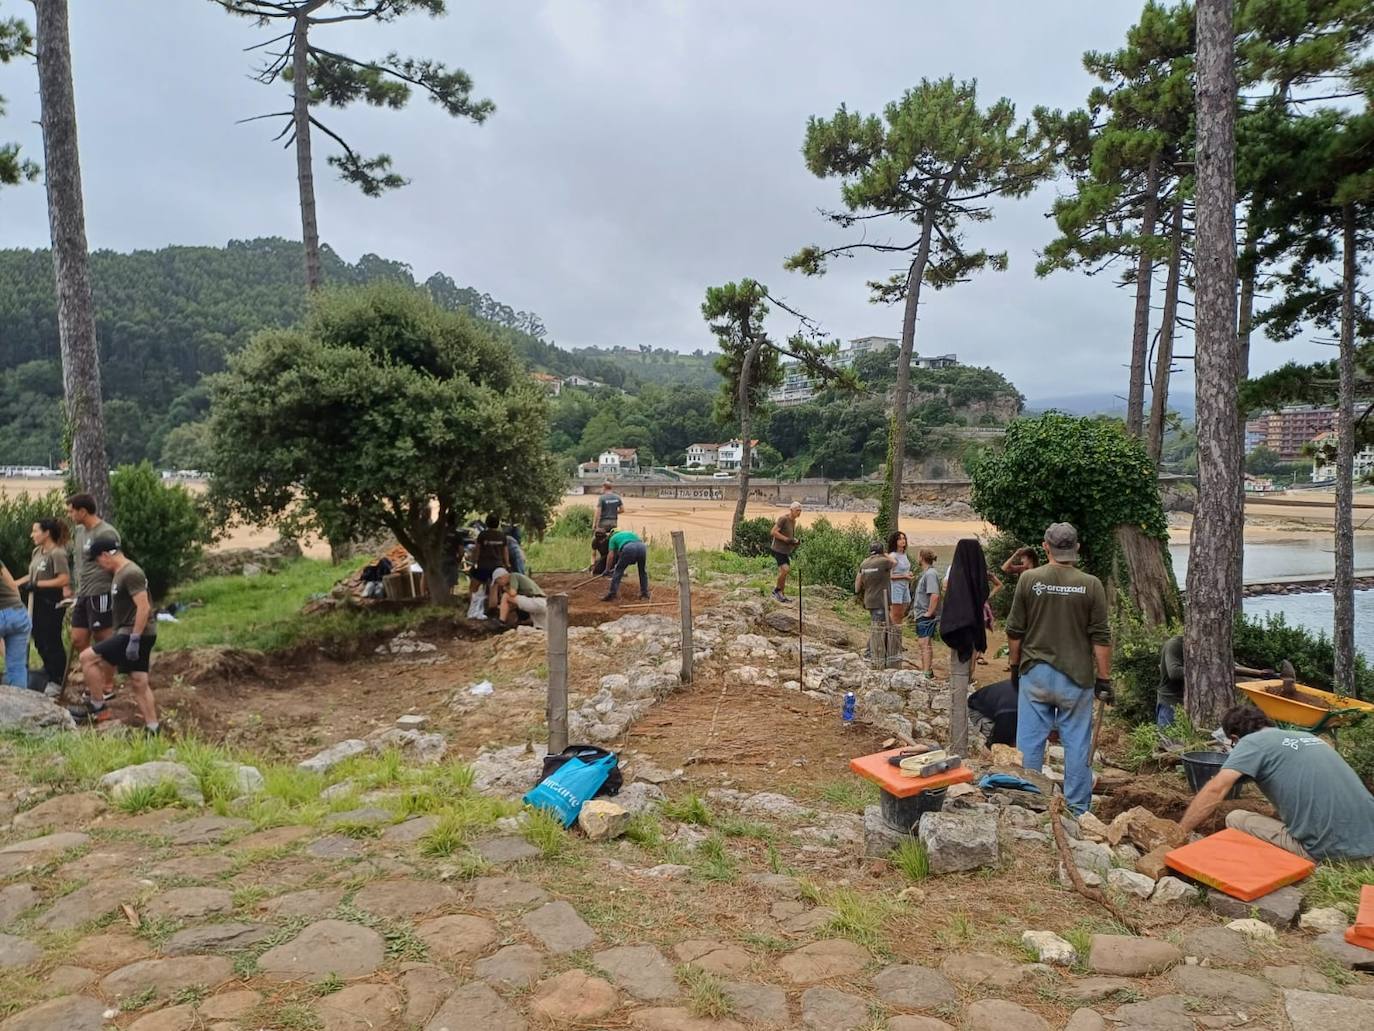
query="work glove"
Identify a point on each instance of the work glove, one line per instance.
(1016, 679)
(131, 649)
(1102, 690)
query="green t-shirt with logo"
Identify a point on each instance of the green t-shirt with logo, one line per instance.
(1319, 798)
(127, 583)
(91, 580)
(621, 538)
(47, 565)
(1059, 613)
(525, 587)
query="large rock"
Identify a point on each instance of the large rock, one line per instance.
(602, 820)
(1225, 986)
(822, 960)
(1145, 829)
(640, 970)
(457, 938)
(323, 762)
(574, 997)
(559, 928)
(70, 1013)
(762, 1004)
(165, 976)
(1333, 945)
(404, 898)
(1279, 908)
(677, 1018)
(1316, 1011)
(1218, 946)
(880, 838)
(1050, 948)
(361, 1007)
(31, 710)
(515, 966)
(416, 745)
(226, 937)
(15, 899)
(476, 1006)
(189, 903)
(207, 830)
(914, 987)
(325, 949)
(504, 893)
(1162, 1013)
(714, 957)
(123, 782)
(1319, 920)
(825, 1009)
(1130, 882)
(62, 812)
(956, 841)
(17, 952)
(1000, 1015)
(1085, 1020)
(1131, 957)
(89, 903)
(980, 968)
(1171, 889)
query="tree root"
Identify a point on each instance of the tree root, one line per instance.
(1061, 840)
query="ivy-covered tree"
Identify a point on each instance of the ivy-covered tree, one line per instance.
(927, 168)
(382, 413)
(15, 41)
(327, 78)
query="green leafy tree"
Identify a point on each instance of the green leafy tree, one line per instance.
(928, 167)
(15, 40)
(162, 526)
(382, 413)
(326, 78)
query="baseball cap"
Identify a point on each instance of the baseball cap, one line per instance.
(499, 572)
(875, 548)
(102, 546)
(1061, 540)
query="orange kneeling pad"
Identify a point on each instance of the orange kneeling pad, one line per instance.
(1361, 933)
(1241, 866)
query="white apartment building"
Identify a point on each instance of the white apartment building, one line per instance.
(702, 454)
(731, 454)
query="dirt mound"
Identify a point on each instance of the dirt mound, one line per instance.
(585, 593)
(217, 663)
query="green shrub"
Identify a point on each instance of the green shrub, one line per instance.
(1135, 665)
(574, 522)
(1357, 745)
(998, 548)
(18, 513)
(830, 555)
(163, 527)
(1265, 643)
(754, 537)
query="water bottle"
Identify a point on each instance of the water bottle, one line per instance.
(847, 714)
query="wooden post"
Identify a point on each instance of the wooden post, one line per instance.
(557, 711)
(684, 600)
(801, 645)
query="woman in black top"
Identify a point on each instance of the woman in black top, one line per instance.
(48, 578)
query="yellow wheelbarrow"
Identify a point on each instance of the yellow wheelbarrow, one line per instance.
(1297, 714)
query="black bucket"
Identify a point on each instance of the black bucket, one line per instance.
(1200, 767)
(904, 814)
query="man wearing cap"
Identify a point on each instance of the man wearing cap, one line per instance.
(128, 649)
(784, 542)
(1060, 654)
(519, 593)
(608, 508)
(873, 583)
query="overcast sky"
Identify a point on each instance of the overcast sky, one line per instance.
(641, 150)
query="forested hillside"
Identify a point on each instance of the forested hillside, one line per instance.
(167, 318)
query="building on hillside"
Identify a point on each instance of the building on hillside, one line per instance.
(613, 462)
(1259, 484)
(581, 381)
(937, 361)
(699, 455)
(731, 454)
(797, 386)
(1321, 472)
(1287, 431)
(863, 345)
(553, 385)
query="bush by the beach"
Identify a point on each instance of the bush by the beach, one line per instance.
(1135, 665)
(573, 522)
(1264, 644)
(18, 513)
(163, 528)
(831, 555)
(754, 537)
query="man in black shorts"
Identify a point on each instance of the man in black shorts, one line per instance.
(128, 649)
(784, 542)
(91, 618)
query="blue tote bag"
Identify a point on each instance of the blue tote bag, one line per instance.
(566, 788)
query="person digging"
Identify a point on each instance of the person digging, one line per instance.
(626, 549)
(128, 649)
(518, 594)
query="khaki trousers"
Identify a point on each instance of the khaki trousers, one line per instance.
(1266, 829)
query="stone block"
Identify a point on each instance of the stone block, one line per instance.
(958, 842)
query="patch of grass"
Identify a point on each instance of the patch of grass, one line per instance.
(291, 1016)
(401, 940)
(849, 795)
(146, 797)
(706, 996)
(136, 1002)
(73, 761)
(467, 866)
(911, 860)
(290, 784)
(859, 916)
(690, 808)
(734, 827)
(463, 820)
(957, 931)
(645, 829)
(250, 895)
(157, 929)
(711, 861)
(190, 995)
(1338, 885)
(545, 831)
(331, 984)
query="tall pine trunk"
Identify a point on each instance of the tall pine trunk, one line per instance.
(70, 258)
(1214, 565)
(897, 448)
(1249, 272)
(746, 427)
(1140, 332)
(305, 175)
(1343, 635)
(1164, 357)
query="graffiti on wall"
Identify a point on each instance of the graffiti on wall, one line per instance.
(691, 493)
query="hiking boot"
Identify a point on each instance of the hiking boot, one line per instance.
(778, 596)
(644, 596)
(608, 597)
(88, 714)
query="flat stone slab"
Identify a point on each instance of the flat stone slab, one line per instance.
(1333, 945)
(65, 980)
(325, 948)
(640, 970)
(677, 1018)
(506, 848)
(476, 1006)
(189, 903)
(1000, 1015)
(361, 1007)
(89, 903)
(409, 831)
(226, 937)
(776, 883)
(764, 1004)
(1130, 956)
(367, 816)
(1218, 946)
(574, 997)
(825, 1009)
(714, 957)
(915, 987)
(58, 842)
(71, 1013)
(559, 928)
(335, 846)
(1226, 986)
(323, 762)
(16, 899)
(1279, 908)
(1095, 989)
(1162, 1013)
(404, 898)
(16, 952)
(822, 960)
(169, 1018)
(1297, 977)
(229, 1005)
(311, 903)
(62, 811)
(109, 950)
(272, 838)
(515, 966)
(1314, 1011)
(200, 868)
(978, 968)
(457, 938)
(207, 830)
(166, 976)
(499, 894)
(908, 1022)
(426, 987)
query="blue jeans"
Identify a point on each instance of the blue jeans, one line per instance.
(634, 553)
(1164, 715)
(1048, 700)
(14, 628)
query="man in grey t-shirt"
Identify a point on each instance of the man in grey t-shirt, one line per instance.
(1324, 810)
(608, 508)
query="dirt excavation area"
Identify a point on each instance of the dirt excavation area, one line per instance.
(337, 844)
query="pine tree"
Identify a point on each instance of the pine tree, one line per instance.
(928, 167)
(15, 41)
(320, 77)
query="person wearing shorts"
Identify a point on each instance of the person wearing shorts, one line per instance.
(91, 615)
(926, 605)
(783, 543)
(130, 646)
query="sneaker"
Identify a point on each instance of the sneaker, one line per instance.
(644, 597)
(153, 731)
(89, 714)
(780, 597)
(608, 597)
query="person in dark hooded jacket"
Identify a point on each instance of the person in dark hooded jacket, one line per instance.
(963, 628)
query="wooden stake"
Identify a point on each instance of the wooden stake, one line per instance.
(684, 600)
(557, 710)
